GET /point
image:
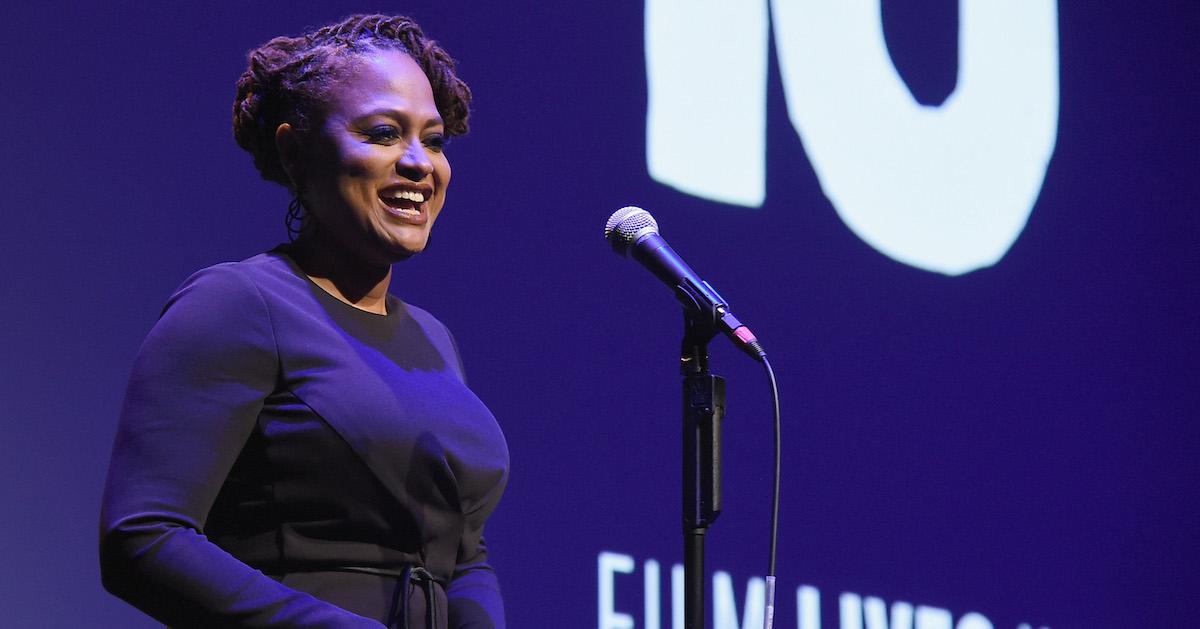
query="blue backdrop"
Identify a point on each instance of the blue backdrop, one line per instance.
(1017, 443)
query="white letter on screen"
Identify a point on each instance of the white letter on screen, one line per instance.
(973, 620)
(677, 585)
(706, 71)
(876, 612)
(945, 189)
(808, 602)
(850, 611)
(608, 565)
(650, 595)
(933, 618)
(725, 606)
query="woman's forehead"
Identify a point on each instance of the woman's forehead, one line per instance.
(384, 79)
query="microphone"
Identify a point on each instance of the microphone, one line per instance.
(633, 231)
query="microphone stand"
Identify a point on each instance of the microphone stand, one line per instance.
(703, 409)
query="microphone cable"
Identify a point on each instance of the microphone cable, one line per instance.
(769, 616)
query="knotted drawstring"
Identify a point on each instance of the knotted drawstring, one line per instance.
(398, 612)
(422, 578)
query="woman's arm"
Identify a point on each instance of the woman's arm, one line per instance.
(197, 387)
(474, 593)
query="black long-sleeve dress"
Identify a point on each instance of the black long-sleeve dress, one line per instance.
(287, 460)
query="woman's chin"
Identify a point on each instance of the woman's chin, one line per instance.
(403, 250)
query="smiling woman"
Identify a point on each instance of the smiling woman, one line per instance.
(298, 447)
(371, 170)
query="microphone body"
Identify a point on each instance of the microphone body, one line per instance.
(653, 252)
(632, 231)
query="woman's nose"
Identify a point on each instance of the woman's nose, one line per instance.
(414, 163)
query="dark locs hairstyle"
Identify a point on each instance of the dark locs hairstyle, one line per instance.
(288, 79)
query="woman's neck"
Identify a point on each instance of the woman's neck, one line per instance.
(342, 274)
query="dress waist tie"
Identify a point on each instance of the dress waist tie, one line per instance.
(409, 575)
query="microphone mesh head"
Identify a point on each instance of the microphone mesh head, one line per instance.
(628, 225)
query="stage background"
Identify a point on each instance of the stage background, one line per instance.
(1019, 442)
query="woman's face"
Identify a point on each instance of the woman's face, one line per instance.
(372, 170)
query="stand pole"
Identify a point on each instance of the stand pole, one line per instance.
(693, 578)
(703, 410)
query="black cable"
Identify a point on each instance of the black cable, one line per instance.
(770, 611)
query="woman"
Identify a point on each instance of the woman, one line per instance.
(298, 447)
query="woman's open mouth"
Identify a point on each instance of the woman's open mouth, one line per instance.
(405, 203)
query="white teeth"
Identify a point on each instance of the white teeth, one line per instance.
(407, 195)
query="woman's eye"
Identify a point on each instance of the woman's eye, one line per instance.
(383, 133)
(435, 142)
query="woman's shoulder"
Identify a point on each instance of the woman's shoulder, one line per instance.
(439, 334)
(255, 269)
(219, 310)
(420, 315)
(228, 286)
(431, 324)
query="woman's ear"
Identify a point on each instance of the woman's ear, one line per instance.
(287, 146)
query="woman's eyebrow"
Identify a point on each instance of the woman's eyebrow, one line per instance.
(391, 112)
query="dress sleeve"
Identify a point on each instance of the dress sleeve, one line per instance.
(474, 593)
(196, 390)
